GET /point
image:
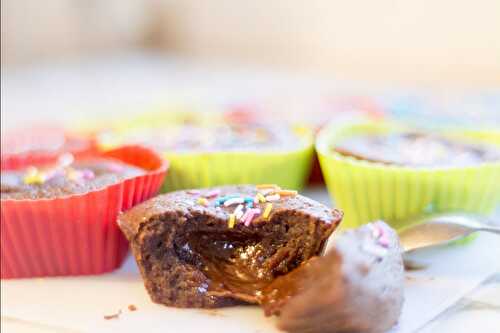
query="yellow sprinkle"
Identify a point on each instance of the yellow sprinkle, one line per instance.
(263, 186)
(285, 193)
(202, 201)
(231, 221)
(267, 211)
(33, 176)
(260, 197)
(72, 174)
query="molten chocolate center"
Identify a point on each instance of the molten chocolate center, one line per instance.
(235, 264)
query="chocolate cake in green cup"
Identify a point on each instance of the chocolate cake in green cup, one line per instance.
(380, 170)
(209, 149)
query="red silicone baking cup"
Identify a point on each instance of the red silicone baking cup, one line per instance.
(76, 234)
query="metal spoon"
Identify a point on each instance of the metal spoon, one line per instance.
(438, 229)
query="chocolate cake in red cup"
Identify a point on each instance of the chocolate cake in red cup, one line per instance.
(60, 218)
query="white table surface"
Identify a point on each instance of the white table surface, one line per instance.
(125, 83)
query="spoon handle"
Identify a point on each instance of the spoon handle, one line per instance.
(492, 229)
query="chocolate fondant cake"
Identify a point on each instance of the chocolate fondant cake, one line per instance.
(223, 246)
(65, 178)
(415, 149)
(356, 287)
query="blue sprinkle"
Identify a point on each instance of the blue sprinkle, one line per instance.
(248, 199)
(221, 200)
(250, 204)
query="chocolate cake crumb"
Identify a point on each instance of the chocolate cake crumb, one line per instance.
(132, 307)
(113, 316)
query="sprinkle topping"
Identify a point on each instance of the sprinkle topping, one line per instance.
(259, 198)
(267, 211)
(34, 176)
(212, 194)
(379, 234)
(232, 220)
(285, 193)
(274, 197)
(248, 208)
(202, 201)
(238, 212)
(251, 214)
(266, 186)
(233, 201)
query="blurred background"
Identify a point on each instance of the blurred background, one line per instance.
(80, 57)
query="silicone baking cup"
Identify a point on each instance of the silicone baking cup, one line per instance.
(76, 234)
(288, 169)
(369, 191)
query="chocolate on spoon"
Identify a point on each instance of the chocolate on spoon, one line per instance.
(356, 287)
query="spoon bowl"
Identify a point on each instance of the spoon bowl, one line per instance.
(439, 229)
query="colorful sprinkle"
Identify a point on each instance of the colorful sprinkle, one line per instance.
(259, 198)
(244, 216)
(115, 167)
(267, 211)
(384, 241)
(248, 200)
(221, 200)
(285, 193)
(202, 201)
(233, 201)
(73, 175)
(267, 191)
(266, 186)
(238, 212)
(375, 229)
(193, 192)
(34, 176)
(232, 220)
(252, 213)
(274, 197)
(88, 174)
(250, 204)
(212, 193)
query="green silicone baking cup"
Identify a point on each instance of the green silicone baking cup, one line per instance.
(369, 191)
(287, 168)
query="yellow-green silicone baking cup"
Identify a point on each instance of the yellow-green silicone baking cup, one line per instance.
(287, 168)
(369, 191)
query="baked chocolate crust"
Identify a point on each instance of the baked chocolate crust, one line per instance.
(356, 287)
(190, 255)
(56, 181)
(416, 149)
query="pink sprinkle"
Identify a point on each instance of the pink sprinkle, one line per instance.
(193, 192)
(114, 167)
(377, 229)
(252, 213)
(384, 240)
(244, 217)
(88, 174)
(212, 193)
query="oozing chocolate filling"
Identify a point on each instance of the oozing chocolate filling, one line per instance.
(232, 263)
(241, 263)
